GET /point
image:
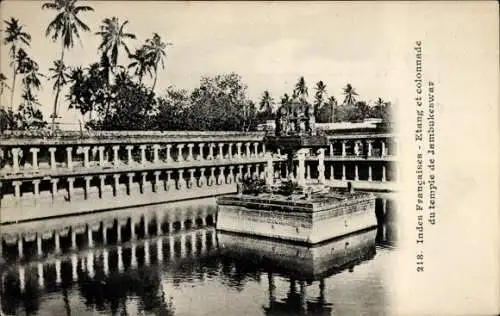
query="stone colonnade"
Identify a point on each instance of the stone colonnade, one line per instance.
(120, 258)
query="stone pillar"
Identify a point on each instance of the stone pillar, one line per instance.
(321, 165)
(40, 275)
(331, 150)
(39, 248)
(71, 181)
(143, 154)
(89, 236)
(73, 239)
(230, 176)
(256, 149)
(356, 174)
(167, 153)
(102, 184)
(369, 173)
(116, 178)
(238, 150)
(183, 245)
(146, 253)
(20, 250)
(143, 181)
(249, 172)
(230, 151)
(159, 249)
(190, 152)
(181, 183)
(202, 180)
(211, 151)
(221, 151)
(118, 232)
(303, 295)
(116, 157)
(146, 226)
(369, 145)
(34, 157)
(343, 172)
(52, 151)
(22, 280)
(270, 170)
(384, 178)
(74, 267)
(301, 155)
(130, 176)
(15, 159)
(54, 186)
(192, 179)
(87, 185)
(17, 189)
(179, 153)
(58, 271)
(382, 149)
(104, 231)
(130, 159)
(211, 179)
(332, 173)
(263, 149)
(57, 243)
(356, 148)
(133, 256)
(239, 176)
(90, 264)
(200, 155)
(308, 172)
(221, 179)
(169, 182)
(248, 150)
(69, 158)
(120, 258)
(157, 180)
(85, 151)
(344, 150)
(105, 261)
(156, 157)
(102, 162)
(159, 223)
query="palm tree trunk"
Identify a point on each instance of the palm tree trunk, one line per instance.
(13, 80)
(156, 77)
(54, 114)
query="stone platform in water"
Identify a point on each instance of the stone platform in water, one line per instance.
(320, 217)
(301, 261)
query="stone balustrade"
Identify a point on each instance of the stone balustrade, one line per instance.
(123, 169)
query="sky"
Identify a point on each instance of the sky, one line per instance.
(269, 44)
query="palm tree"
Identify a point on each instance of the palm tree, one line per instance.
(349, 93)
(266, 103)
(66, 25)
(155, 47)
(285, 99)
(60, 79)
(31, 75)
(113, 37)
(320, 91)
(333, 103)
(300, 89)
(15, 37)
(141, 62)
(3, 83)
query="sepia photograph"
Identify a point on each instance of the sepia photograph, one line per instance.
(225, 158)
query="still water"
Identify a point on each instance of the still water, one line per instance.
(198, 271)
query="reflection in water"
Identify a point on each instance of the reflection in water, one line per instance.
(189, 270)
